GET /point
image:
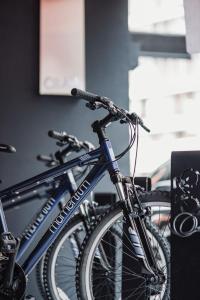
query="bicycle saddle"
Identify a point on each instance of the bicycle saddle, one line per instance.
(7, 148)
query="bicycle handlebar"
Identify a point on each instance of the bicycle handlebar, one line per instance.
(71, 140)
(73, 144)
(97, 102)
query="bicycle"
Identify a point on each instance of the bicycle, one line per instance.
(93, 268)
(50, 271)
(73, 145)
(70, 144)
(103, 158)
(88, 210)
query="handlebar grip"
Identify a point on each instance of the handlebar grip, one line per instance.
(135, 118)
(85, 95)
(145, 128)
(7, 148)
(57, 135)
(45, 158)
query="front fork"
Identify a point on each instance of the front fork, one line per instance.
(136, 230)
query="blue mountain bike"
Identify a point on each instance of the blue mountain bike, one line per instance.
(128, 225)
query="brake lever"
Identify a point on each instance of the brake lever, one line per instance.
(72, 139)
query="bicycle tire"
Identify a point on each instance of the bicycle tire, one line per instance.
(87, 252)
(46, 278)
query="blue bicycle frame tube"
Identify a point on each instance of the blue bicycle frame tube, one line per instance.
(45, 213)
(49, 176)
(108, 163)
(69, 209)
(45, 178)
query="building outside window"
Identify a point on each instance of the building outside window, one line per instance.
(164, 91)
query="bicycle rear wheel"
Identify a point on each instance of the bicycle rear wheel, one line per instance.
(56, 271)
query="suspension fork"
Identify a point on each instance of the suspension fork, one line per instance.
(140, 244)
(138, 235)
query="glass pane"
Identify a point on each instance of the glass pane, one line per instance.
(166, 93)
(157, 16)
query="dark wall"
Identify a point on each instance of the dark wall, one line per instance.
(26, 117)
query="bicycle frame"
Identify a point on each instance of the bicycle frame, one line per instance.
(8, 205)
(87, 185)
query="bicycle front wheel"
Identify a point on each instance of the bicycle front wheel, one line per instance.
(101, 273)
